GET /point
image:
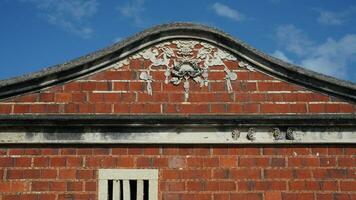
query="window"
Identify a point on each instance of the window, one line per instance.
(128, 184)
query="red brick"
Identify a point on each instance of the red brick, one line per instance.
(72, 86)
(40, 186)
(111, 97)
(57, 162)
(31, 174)
(46, 97)
(88, 86)
(278, 173)
(251, 108)
(275, 108)
(23, 162)
(270, 185)
(346, 161)
(332, 108)
(52, 108)
(14, 174)
(119, 151)
(228, 161)
(218, 173)
(245, 173)
(38, 108)
(304, 162)
(63, 97)
(48, 173)
(21, 108)
(74, 186)
(192, 108)
(125, 162)
(5, 186)
(49, 151)
(211, 162)
(253, 162)
(234, 108)
(348, 186)
(327, 162)
(297, 196)
(58, 186)
(316, 108)
(32, 151)
(246, 196)
(85, 174)
(346, 108)
(103, 108)
(71, 108)
(74, 162)
(137, 86)
(103, 86)
(68, 151)
(145, 108)
(86, 108)
(121, 86)
(90, 186)
(67, 173)
(273, 196)
(79, 97)
(172, 186)
(298, 108)
(329, 185)
(6, 162)
(44, 196)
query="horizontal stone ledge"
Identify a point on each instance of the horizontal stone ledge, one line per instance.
(185, 135)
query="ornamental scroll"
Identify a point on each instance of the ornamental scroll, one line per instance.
(186, 60)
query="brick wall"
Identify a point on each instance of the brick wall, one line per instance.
(185, 172)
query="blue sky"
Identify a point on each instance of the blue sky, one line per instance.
(317, 34)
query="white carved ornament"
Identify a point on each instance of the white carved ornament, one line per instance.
(184, 60)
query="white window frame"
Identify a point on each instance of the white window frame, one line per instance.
(126, 175)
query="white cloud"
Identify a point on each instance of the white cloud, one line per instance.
(134, 11)
(293, 39)
(279, 54)
(226, 11)
(70, 15)
(331, 18)
(335, 18)
(331, 57)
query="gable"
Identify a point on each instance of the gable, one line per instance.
(178, 76)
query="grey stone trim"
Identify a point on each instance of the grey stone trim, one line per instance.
(172, 129)
(198, 134)
(103, 58)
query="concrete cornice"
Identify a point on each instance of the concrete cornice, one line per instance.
(100, 59)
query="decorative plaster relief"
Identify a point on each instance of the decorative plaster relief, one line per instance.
(277, 134)
(185, 60)
(235, 134)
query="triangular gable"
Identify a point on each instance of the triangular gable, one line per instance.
(190, 71)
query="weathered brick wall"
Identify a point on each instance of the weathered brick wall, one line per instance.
(121, 91)
(185, 172)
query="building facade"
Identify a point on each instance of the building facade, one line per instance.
(179, 111)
